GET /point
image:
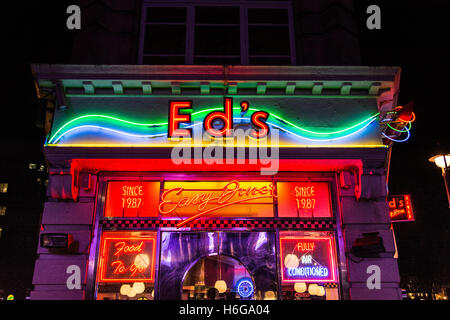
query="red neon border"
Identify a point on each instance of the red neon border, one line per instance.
(102, 258)
(331, 256)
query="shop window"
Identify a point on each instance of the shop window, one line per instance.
(304, 199)
(308, 266)
(126, 266)
(3, 187)
(132, 199)
(249, 33)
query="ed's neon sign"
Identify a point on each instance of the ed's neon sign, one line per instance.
(232, 193)
(179, 112)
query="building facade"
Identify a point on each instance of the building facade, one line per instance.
(200, 162)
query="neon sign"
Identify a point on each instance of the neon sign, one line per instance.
(126, 258)
(132, 199)
(206, 202)
(400, 208)
(307, 259)
(304, 199)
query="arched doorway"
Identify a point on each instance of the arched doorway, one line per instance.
(181, 251)
(218, 277)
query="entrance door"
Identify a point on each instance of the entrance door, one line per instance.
(246, 256)
(218, 277)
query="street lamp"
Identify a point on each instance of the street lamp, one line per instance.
(443, 162)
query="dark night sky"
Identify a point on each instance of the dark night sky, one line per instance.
(414, 36)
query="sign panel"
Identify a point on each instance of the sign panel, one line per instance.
(304, 199)
(307, 259)
(132, 199)
(400, 208)
(126, 257)
(201, 121)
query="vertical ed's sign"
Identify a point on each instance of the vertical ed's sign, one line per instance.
(307, 259)
(125, 257)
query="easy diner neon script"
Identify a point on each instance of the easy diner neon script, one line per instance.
(201, 200)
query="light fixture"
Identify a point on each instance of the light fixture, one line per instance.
(56, 240)
(313, 289)
(125, 289)
(269, 295)
(138, 287)
(320, 291)
(443, 162)
(220, 284)
(142, 261)
(300, 287)
(132, 293)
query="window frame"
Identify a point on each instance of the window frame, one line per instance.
(244, 25)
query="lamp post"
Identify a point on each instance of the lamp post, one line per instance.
(443, 162)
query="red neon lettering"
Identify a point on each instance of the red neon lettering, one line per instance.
(132, 191)
(305, 191)
(229, 191)
(305, 246)
(122, 247)
(226, 117)
(135, 269)
(175, 118)
(263, 130)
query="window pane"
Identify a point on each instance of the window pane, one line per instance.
(165, 39)
(2, 210)
(268, 40)
(166, 14)
(217, 41)
(269, 15)
(218, 15)
(163, 60)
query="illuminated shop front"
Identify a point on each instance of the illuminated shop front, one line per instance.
(164, 201)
